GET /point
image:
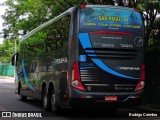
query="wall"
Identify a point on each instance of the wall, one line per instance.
(7, 70)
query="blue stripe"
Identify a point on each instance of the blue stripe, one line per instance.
(25, 77)
(109, 70)
(86, 43)
(92, 51)
(94, 55)
(19, 76)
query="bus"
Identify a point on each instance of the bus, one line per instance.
(89, 56)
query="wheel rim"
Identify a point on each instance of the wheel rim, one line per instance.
(53, 100)
(45, 99)
(21, 93)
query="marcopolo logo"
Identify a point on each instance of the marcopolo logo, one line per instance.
(126, 68)
(138, 41)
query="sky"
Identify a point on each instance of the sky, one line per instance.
(2, 11)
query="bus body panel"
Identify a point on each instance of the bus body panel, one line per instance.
(110, 60)
(111, 66)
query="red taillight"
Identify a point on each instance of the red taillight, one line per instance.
(76, 81)
(141, 82)
(83, 6)
(136, 9)
(109, 32)
(142, 74)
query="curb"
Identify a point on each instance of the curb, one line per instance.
(6, 77)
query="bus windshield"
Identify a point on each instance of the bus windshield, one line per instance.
(110, 19)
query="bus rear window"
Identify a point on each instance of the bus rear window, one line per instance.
(110, 19)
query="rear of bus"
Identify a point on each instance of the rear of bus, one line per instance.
(110, 65)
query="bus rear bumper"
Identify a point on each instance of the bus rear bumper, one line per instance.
(90, 103)
(85, 99)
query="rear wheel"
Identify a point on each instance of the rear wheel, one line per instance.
(22, 97)
(54, 101)
(46, 100)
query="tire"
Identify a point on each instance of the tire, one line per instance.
(46, 100)
(22, 97)
(54, 102)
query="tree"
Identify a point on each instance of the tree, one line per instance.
(154, 41)
(152, 9)
(25, 15)
(7, 50)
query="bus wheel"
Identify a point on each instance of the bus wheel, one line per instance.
(22, 97)
(54, 104)
(46, 102)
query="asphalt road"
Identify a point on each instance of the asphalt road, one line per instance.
(10, 102)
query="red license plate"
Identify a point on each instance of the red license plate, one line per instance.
(110, 98)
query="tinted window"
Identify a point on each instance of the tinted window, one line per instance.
(110, 19)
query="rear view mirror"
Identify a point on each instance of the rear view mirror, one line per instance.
(14, 59)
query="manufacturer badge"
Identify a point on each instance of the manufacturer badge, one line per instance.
(138, 41)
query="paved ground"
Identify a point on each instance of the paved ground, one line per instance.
(4, 79)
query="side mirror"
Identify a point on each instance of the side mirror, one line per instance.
(14, 59)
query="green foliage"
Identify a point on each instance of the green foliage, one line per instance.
(154, 40)
(7, 50)
(152, 9)
(25, 15)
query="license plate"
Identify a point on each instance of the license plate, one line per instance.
(110, 98)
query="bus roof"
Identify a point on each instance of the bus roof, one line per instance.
(110, 6)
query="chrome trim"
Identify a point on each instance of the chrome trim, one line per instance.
(88, 75)
(110, 6)
(88, 80)
(96, 84)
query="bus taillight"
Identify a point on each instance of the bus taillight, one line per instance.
(83, 6)
(136, 9)
(76, 82)
(141, 83)
(109, 32)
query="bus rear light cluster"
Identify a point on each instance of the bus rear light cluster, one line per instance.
(86, 97)
(134, 97)
(141, 83)
(109, 32)
(136, 9)
(83, 6)
(76, 81)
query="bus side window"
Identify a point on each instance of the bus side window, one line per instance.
(14, 59)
